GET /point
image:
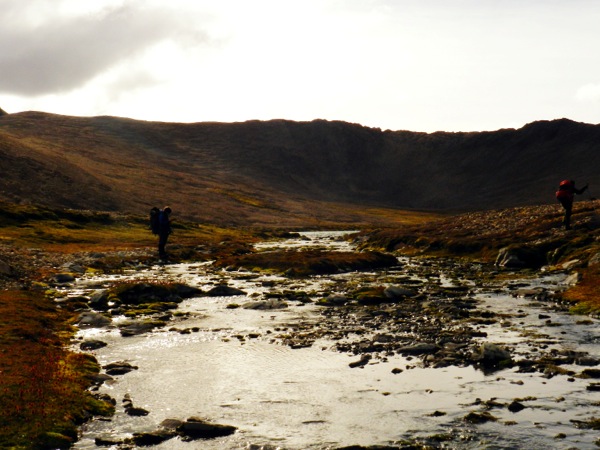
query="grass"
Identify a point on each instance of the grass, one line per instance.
(309, 262)
(42, 385)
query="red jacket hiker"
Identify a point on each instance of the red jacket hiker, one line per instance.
(565, 195)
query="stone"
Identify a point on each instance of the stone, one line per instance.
(333, 300)
(515, 407)
(363, 361)
(222, 290)
(492, 355)
(398, 292)
(5, 268)
(266, 305)
(92, 344)
(139, 327)
(418, 349)
(119, 368)
(99, 300)
(63, 278)
(195, 428)
(92, 320)
(518, 257)
(154, 438)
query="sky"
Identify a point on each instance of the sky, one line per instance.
(418, 65)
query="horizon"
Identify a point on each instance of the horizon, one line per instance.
(423, 66)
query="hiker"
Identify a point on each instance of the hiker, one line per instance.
(565, 194)
(163, 231)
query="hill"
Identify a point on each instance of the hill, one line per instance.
(285, 173)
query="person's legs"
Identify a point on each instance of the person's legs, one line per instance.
(568, 206)
(162, 242)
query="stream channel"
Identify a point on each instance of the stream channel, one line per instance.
(231, 365)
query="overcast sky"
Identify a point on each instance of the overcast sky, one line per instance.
(420, 65)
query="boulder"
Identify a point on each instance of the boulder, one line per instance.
(519, 257)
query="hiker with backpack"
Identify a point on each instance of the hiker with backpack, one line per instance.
(565, 195)
(160, 224)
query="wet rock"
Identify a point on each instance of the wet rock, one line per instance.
(364, 360)
(101, 378)
(131, 410)
(333, 300)
(63, 278)
(479, 418)
(515, 407)
(119, 368)
(586, 360)
(398, 292)
(108, 441)
(154, 438)
(418, 349)
(171, 424)
(492, 355)
(140, 327)
(196, 428)
(146, 293)
(265, 305)
(90, 319)
(591, 373)
(222, 290)
(92, 344)
(99, 300)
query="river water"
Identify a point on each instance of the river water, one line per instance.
(229, 370)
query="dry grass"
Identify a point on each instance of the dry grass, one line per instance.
(309, 262)
(42, 385)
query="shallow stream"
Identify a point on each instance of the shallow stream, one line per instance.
(230, 370)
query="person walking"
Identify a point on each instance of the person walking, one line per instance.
(164, 230)
(565, 195)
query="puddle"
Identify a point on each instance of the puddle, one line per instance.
(230, 370)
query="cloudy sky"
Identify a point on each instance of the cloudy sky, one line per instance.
(420, 65)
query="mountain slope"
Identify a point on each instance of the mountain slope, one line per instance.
(282, 171)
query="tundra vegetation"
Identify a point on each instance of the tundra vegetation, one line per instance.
(44, 387)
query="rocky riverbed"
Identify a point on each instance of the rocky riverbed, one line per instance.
(427, 353)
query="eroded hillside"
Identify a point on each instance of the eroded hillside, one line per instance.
(284, 173)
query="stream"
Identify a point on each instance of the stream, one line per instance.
(231, 365)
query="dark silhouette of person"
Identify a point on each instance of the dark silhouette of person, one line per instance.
(565, 195)
(164, 230)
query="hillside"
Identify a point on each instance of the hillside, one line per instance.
(285, 173)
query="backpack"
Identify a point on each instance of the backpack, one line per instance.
(565, 184)
(155, 220)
